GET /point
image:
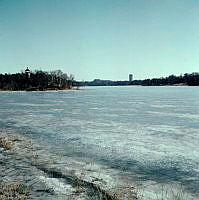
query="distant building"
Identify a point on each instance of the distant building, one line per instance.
(27, 71)
(130, 77)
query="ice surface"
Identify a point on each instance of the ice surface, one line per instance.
(149, 133)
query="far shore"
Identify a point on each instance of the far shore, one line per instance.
(40, 90)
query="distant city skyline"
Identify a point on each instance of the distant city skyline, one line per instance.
(106, 39)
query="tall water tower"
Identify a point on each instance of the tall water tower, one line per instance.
(130, 77)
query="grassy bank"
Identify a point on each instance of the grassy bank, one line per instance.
(28, 171)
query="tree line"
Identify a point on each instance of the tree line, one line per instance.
(186, 79)
(37, 80)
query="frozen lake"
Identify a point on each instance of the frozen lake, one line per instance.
(149, 133)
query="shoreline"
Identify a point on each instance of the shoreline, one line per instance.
(31, 173)
(46, 90)
(80, 88)
(30, 170)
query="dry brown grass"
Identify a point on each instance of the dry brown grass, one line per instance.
(13, 191)
(5, 143)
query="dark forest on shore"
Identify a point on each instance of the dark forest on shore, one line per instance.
(36, 81)
(186, 79)
(57, 80)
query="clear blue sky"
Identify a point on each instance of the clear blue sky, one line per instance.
(106, 39)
